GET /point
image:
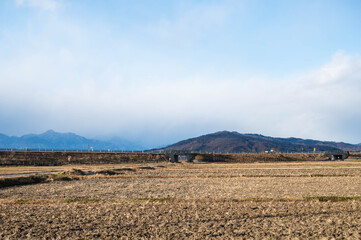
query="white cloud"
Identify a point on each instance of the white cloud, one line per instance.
(54, 90)
(79, 74)
(342, 68)
(50, 5)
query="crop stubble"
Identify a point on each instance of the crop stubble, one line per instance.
(191, 201)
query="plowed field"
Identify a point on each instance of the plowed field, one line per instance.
(198, 201)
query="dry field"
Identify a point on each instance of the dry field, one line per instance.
(310, 200)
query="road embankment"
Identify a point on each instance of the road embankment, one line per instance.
(31, 158)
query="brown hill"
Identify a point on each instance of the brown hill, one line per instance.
(235, 142)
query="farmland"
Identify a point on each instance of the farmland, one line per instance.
(186, 200)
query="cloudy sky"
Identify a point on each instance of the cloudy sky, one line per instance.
(157, 72)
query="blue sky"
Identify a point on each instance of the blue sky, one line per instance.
(157, 72)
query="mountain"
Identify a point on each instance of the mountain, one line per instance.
(52, 140)
(236, 142)
(319, 144)
(216, 142)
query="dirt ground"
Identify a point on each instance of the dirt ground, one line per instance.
(312, 200)
(205, 219)
(190, 188)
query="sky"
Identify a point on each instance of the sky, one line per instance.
(156, 72)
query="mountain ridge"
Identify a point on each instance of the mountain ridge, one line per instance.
(226, 141)
(51, 140)
(222, 141)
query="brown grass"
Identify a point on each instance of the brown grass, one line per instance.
(8, 182)
(34, 179)
(205, 219)
(188, 201)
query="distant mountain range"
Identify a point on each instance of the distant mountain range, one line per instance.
(52, 140)
(216, 142)
(235, 142)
